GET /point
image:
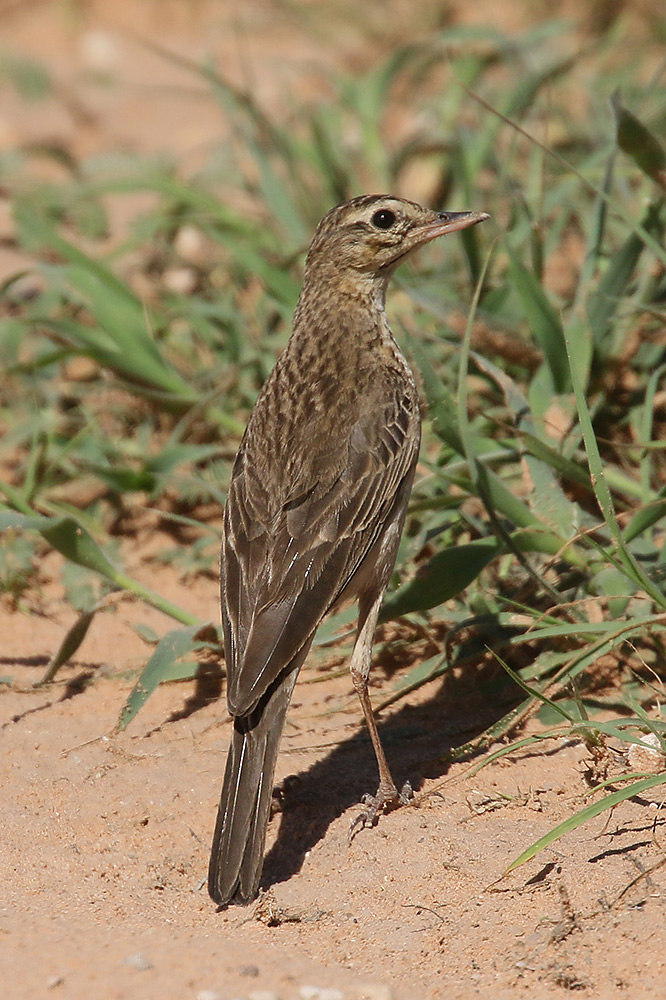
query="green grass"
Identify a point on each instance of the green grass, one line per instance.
(536, 527)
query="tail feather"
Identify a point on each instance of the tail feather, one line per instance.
(240, 832)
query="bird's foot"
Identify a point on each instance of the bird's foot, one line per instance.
(387, 798)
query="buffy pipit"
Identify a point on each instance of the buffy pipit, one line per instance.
(316, 506)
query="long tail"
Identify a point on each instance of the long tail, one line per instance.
(240, 832)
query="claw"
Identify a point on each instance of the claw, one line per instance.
(406, 794)
(386, 800)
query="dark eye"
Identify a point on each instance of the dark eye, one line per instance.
(383, 219)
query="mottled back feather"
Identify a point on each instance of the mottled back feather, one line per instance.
(289, 555)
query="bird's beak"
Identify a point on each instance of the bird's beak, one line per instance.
(447, 222)
(440, 224)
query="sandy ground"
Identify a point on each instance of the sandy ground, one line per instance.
(105, 838)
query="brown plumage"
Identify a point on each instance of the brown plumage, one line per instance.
(316, 505)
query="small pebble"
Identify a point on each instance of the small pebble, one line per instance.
(54, 981)
(646, 756)
(180, 280)
(100, 51)
(209, 995)
(190, 244)
(373, 991)
(138, 961)
(319, 993)
(249, 970)
(263, 995)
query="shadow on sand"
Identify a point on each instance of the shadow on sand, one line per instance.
(417, 740)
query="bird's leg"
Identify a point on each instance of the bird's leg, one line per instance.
(387, 794)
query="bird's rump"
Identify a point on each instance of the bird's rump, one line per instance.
(286, 566)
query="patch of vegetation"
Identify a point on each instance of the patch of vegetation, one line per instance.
(536, 528)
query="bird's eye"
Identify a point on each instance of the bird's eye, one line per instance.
(383, 219)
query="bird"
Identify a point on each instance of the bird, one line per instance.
(316, 506)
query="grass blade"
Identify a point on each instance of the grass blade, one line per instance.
(170, 661)
(638, 142)
(72, 540)
(543, 321)
(603, 495)
(583, 816)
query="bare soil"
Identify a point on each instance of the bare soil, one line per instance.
(105, 838)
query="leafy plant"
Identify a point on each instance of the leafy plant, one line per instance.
(536, 528)
(17, 565)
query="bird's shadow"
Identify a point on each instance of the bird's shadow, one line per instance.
(417, 740)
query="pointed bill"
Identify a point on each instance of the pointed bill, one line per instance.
(449, 222)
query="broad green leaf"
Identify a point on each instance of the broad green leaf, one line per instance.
(638, 142)
(605, 300)
(602, 492)
(65, 535)
(646, 516)
(546, 499)
(71, 539)
(615, 587)
(543, 320)
(68, 647)
(447, 574)
(171, 661)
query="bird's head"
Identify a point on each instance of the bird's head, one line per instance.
(372, 234)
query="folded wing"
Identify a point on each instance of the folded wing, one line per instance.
(286, 560)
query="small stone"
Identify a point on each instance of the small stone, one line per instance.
(190, 244)
(180, 280)
(263, 995)
(252, 971)
(319, 993)
(373, 991)
(80, 369)
(100, 51)
(209, 995)
(646, 756)
(54, 981)
(138, 961)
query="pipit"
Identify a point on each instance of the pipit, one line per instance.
(316, 506)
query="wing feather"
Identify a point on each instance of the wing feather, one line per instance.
(286, 564)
